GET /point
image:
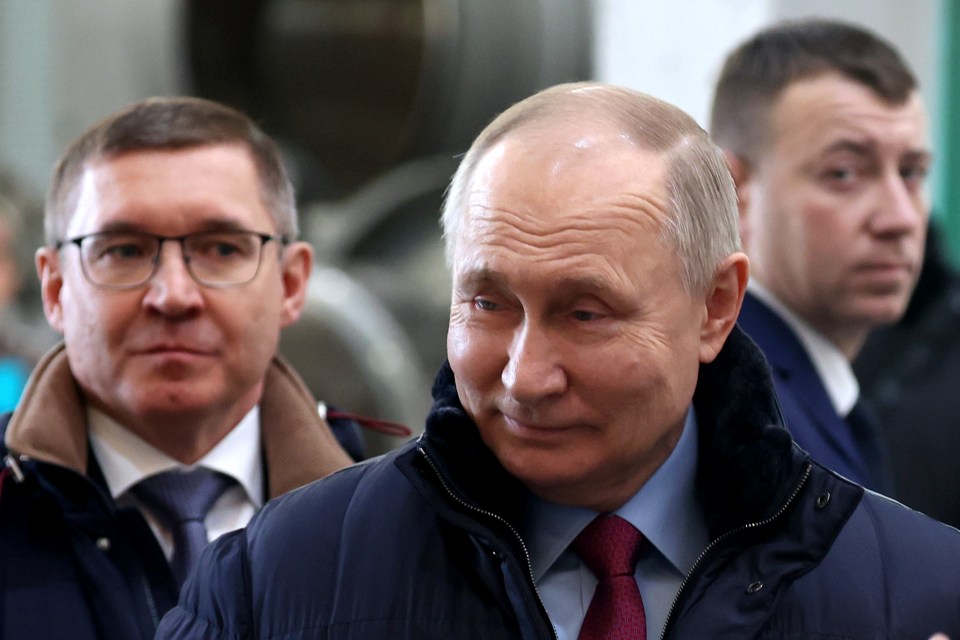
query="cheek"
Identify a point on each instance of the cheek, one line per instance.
(804, 237)
(466, 353)
(476, 361)
(643, 380)
(89, 316)
(246, 311)
(94, 336)
(829, 238)
(654, 366)
(457, 343)
(792, 208)
(248, 346)
(919, 239)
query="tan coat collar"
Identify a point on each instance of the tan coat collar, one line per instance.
(50, 425)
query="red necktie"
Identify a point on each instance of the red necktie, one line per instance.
(610, 547)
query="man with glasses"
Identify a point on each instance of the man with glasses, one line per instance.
(165, 418)
(128, 259)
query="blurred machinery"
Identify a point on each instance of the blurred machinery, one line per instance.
(24, 333)
(374, 101)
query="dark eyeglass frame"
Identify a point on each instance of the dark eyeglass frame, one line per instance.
(263, 237)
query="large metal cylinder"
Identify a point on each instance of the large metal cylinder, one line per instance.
(373, 101)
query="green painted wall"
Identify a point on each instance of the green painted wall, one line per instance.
(947, 196)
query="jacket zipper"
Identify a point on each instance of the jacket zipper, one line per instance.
(526, 554)
(713, 545)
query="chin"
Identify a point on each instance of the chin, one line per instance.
(171, 403)
(887, 314)
(878, 310)
(547, 474)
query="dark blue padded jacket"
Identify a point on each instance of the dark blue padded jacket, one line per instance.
(73, 565)
(420, 543)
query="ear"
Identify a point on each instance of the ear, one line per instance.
(739, 169)
(47, 260)
(723, 300)
(295, 273)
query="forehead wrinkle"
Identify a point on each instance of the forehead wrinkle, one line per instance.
(483, 275)
(621, 216)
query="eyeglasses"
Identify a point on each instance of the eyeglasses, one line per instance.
(124, 260)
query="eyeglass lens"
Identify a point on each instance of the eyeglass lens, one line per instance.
(212, 257)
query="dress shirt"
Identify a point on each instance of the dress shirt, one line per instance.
(666, 510)
(832, 366)
(126, 459)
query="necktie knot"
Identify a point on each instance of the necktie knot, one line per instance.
(610, 546)
(180, 500)
(175, 496)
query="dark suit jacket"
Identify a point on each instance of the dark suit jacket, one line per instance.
(909, 372)
(807, 409)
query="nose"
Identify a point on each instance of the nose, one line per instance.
(172, 290)
(534, 370)
(901, 210)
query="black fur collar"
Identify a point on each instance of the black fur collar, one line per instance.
(748, 465)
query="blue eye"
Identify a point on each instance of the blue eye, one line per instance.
(224, 249)
(220, 246)
(124, 251)
(118, 247)
(585, 316)
(484, 304)
(914, 174)
(841, 174)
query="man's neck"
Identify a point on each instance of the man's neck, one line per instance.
(125, 458)
(831, 363)
(185, 437)
(846, 338)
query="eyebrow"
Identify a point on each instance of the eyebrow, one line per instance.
(212, 224)
(919, 156)
(588, 283)
(867, 148)
(858, 148)
(483, 276)
(580, 283)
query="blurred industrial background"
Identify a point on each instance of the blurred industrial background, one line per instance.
(373, 101)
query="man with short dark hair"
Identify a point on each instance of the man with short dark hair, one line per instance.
(825, 134)
(165, 418)
(605, 456)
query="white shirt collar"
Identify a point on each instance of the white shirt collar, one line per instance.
(832, 366)
(126, 459)
(666, 510)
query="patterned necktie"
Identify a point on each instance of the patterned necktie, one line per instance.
(180, 502)
(610, 547)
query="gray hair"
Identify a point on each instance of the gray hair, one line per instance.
(702, 220)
